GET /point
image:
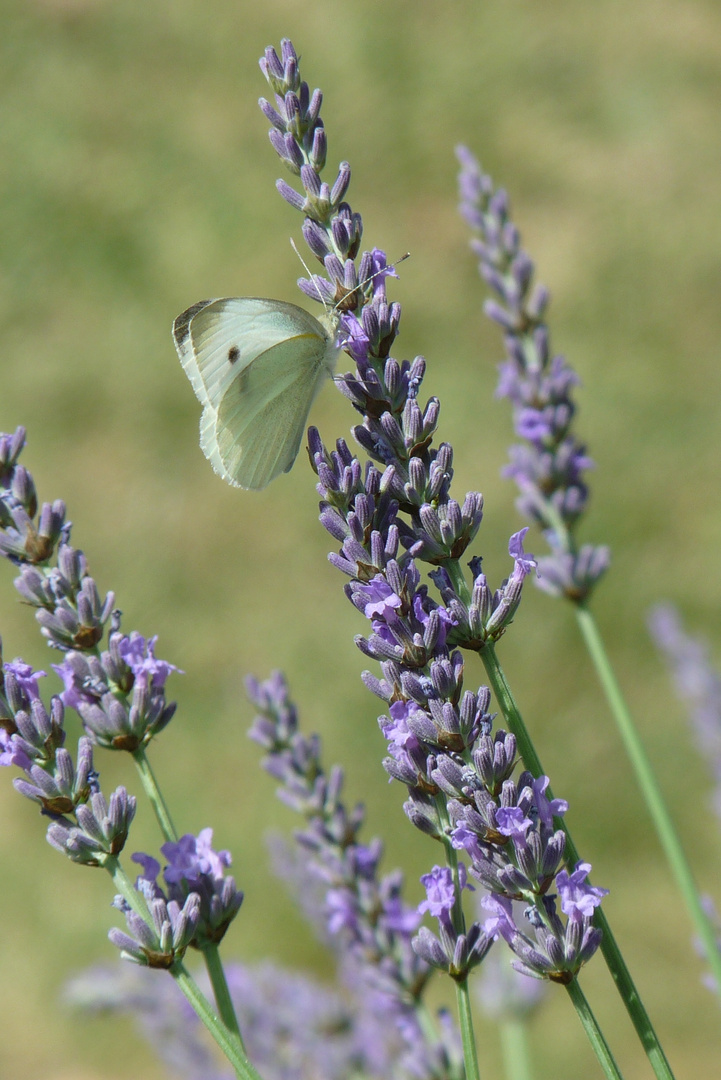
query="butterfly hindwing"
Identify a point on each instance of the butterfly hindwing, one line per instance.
(262, 416)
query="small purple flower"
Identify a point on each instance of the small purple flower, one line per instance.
(524, 563)
(512, 821)
(353, 337)
(396, 730)
(379, 599)
(72, 695)
(192, 858)
(139, 654)
(150, 866)
(26, 678)
(579, 898)
(547, 809)
(500, 922)
(440, 892)
(194, 868)
(12, 752)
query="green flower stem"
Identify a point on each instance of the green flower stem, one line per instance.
(150, 786)
(514, 1050)
(650, 789)
(228, 1042)
(221, 992)
(465, 1019)
(611, 953)
(595, 1035)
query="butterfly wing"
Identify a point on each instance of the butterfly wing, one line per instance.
(255, 365)
(262, 416)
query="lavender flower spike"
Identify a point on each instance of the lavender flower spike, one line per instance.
(548, 466)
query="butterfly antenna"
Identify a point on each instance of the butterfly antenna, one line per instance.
(309, 273)
(377, 273)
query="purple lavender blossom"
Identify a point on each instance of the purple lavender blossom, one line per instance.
(456, 950)
(548, 466)
(389, 516)
(579, 898)
(119, 695)
(139, 654)
(193, 867)
(366, 918)
(25, 678)
(544, 948)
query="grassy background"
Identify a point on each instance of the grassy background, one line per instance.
(135, 178)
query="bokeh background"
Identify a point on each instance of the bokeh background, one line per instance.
(135, 178)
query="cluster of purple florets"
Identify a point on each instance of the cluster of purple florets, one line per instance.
(367, 922)
(119, 695)
(549, 464)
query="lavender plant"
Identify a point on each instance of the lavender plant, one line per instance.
(480, 793)
(549, 466)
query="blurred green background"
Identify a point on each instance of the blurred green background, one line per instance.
(135, 178)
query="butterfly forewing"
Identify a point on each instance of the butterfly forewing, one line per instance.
(228, 335)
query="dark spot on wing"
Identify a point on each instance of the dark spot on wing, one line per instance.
(233, 353)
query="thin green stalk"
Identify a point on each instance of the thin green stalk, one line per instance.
(611, 953)
(123, 884)
(650, 789)
(595, 1035)
(228, 1042)
(465, 1019)
(221, 992)
(151, 789)
(514, 1050)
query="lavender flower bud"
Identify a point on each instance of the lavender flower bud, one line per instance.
(66, 787)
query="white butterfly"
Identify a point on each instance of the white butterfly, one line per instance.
(255, 365)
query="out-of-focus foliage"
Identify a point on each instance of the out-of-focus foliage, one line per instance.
(136, 178)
